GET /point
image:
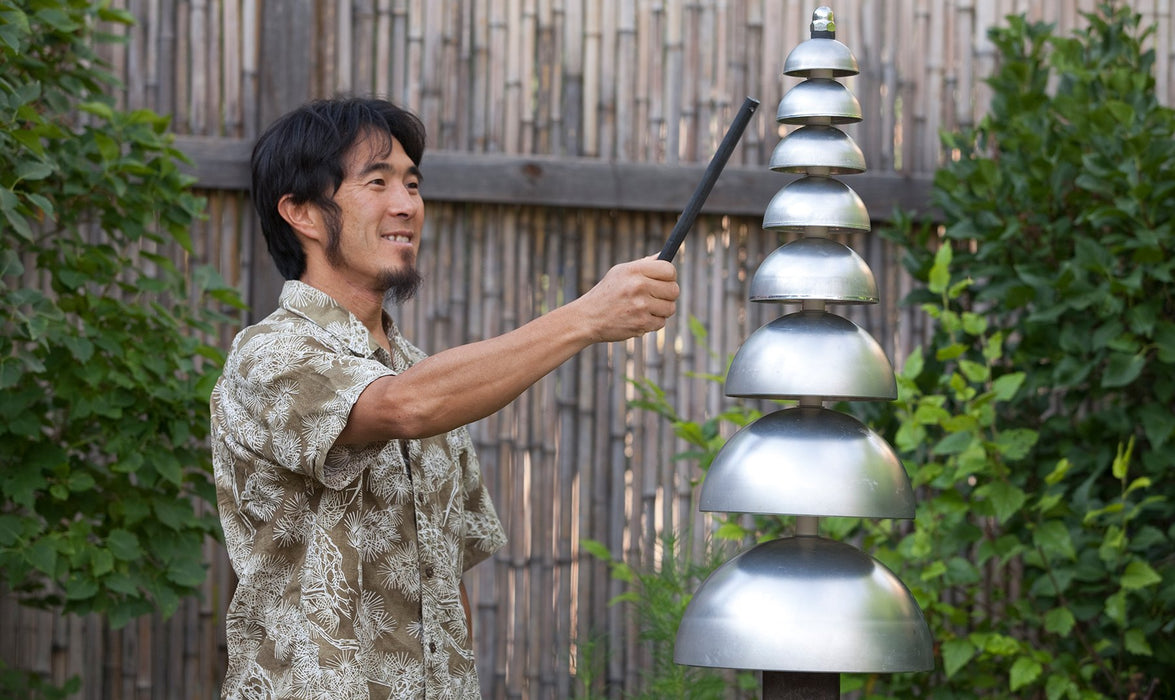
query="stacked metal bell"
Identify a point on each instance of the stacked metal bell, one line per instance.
(808, 604)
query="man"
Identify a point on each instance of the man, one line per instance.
(350, 495)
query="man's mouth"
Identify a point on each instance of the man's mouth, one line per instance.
(397, 238)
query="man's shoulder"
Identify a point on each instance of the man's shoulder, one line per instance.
(282, 334)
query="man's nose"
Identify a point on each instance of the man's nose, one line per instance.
(402, 201)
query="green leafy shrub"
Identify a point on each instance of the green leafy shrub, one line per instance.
(1032, 586)
(104, 376)
(1059, 208)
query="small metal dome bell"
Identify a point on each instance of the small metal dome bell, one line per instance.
(805, 604)
(808, 461)
(811, 353)
(818, 101)
(815, 147)
(816, 203)
(822, 54)
(814, 269)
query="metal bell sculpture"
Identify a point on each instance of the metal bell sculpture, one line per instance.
(804, 609)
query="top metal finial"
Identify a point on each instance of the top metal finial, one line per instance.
(823, 23)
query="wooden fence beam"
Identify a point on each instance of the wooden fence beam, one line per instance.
(494, 178)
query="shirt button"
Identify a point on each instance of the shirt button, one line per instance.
(432, 647)
(428, 572)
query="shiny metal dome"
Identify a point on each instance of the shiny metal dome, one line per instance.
(817, 146)
(818, 101)
(805, 604)
(816, 202)
(811, 269)
(822, 57)
(808, 461)
(811, 353)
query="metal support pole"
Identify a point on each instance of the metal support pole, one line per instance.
(794, 685)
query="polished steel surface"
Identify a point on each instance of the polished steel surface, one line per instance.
(817, 146)
(811, 353)
(822, 57)
(818, 101)
(816, 202)
(814, 268)
(808, 461)
(805, 604)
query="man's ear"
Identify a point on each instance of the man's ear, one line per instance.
(302, 217)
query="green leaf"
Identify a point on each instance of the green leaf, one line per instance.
(1059, 621)
(974, 371)
(174, 514)
(956, 653)
(1136, 642)
(33, 170)
(940, 273)
(934, 570)
(43, 556)
(1121, 463)
(592, 547)
(11, 527)
(1005, 387)
(1058, 473)
(1006, 499)
(188, 573)
(1122, 369)
(731, 531)
(954, 443)
(1057, 687)
(101, 562)
(1139, 575)
(1053, 537)
(1015, 444)
(1115, 607)
(124, 545)
(1025, 670)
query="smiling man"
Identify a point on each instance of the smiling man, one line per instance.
(351, 498)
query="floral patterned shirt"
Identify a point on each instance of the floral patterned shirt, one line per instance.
(349, 557)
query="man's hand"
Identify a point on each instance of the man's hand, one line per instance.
(633, 299)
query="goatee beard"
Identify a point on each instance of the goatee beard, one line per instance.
(400, 285)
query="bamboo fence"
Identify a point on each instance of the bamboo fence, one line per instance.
(584, 81)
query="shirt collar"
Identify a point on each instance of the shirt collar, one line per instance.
(320, 308)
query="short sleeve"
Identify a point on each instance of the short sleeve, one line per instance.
(287, 397)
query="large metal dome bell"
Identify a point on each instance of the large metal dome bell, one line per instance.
(814, 269)
(811, 353)
(822, 54)
(816, 202)
(814, 147)
(805, 604)
(808, 461)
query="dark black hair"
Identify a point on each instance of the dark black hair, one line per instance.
(302, 155)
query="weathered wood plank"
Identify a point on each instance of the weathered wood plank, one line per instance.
(587, 183)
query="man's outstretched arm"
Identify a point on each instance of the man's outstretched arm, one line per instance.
(467, 383)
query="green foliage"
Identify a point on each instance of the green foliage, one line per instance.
(104, 378)
(1033, 585)
(1059, 209)
(659, 597)
(25, 685)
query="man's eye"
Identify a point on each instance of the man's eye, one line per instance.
(379, 182)
(413, 185)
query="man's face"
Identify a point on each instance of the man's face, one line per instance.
(375, 238)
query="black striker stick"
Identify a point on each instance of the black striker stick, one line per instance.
(713, 170)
